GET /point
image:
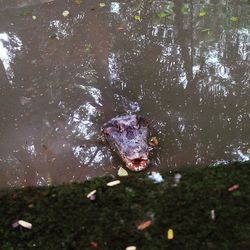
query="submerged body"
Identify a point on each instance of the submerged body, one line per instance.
(128, 134)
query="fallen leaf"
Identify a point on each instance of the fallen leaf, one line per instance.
(113, 183)
(93, 244)
(233, 188)
(144, 225)
(120, 28)
(153, 141)
(91, 194)
(122, 172)
(212, 214)
(65, 13)
(131, 248)
(22, 223)
(177, 178)
(170, 234)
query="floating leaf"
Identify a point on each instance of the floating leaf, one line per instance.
(144, 225)
(131, 248)
(25, 13)
(65, 13)
(79, 1)
(137, 18)
(162, 14)
(153, 141)
(102, 5)
(53, 36)
(233, 188)
(170, 234)
(184, 10)
(122, 172)
(113, 183)
(202, 13)
(89, 195)
(206, 30)
(234, 19)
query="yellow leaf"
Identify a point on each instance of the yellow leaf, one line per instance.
(202, 13)
(65, 13)
(170, 234)
(122, 172)
(137, 18)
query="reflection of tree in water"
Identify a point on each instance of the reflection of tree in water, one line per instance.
(193, 72)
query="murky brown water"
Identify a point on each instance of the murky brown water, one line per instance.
(184, 65)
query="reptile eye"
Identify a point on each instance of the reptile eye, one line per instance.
(120, 128)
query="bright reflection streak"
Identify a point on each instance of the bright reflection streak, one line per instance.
(89, 156)
(115, 7)
(9, 45)
(82, 122)
(62, 29)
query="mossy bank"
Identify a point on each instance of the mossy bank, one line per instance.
(202, 211)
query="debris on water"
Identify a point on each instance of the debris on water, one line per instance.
(137, 18)
(156, 177)
(202, 13)
(233, 188)
(113, 183)
(131, 248)
(153, 141)
(212, 214)
(177, 178)
(22, 223)
(122, 172)
(79, 2)
(102, 5)
(170, 234)
(65, 13)
(234, 19)
(25, 13)
(91, 194)
(144, 225)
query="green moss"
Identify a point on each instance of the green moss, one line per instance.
(63, 218)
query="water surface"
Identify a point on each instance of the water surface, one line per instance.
(184, 65)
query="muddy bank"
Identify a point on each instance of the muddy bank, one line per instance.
(207, 209)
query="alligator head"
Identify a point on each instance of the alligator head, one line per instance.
(128, 134)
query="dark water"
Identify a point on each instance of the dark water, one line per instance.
(184, 65)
